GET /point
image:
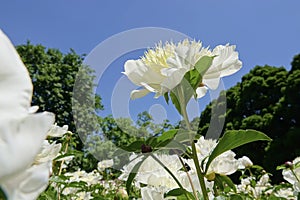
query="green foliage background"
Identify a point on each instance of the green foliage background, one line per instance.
(267, 99)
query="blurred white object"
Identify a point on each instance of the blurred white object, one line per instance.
(22, 131)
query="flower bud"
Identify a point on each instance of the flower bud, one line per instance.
(211, 176)
(146, 148)
(121, 194)
(289, 164)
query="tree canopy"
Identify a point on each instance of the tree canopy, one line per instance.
(267, 99)
(53, 75)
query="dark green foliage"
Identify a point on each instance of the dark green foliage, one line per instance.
(266, 100)
(53, 75)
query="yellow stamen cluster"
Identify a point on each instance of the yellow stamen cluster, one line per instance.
(158, 55)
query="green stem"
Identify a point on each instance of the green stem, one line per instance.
(295, 175)
(199, 172)
(190, 180)
(173, 176)
(194, 152)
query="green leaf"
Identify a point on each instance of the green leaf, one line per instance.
(2, 194)
(134, 147)
(133, 174)
(194, 76)
(233, 139)
(173, 145)
(203, 64)
(164, 140)
(185, 136)
(166, 95)
(236, 197)
(224, 180)
(58, 179)
(168, 135)
(175, 101)
(180, 194)
(80, 184)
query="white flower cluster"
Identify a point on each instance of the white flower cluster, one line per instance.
(85, 182)
(261, 186)
(162, 68)
(91, 178)
(158, 181)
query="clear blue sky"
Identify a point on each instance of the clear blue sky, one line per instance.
(265, 32)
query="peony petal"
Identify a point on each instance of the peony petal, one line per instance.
(57, 131)
(201, 91)
(174, 77)
(134, 70)
(15, 84)
(212, 83)
(20, 142)
(29, 183)
(149, 193)
(138, 93)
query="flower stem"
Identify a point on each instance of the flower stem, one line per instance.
(295, 175)
(183, 105)
(190, 180)
(199, 172)
(173, 176)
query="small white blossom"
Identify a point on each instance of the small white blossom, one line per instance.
(102, 165)
(57, 131)
(244, 162)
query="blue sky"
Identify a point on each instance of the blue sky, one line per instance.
(265, 32)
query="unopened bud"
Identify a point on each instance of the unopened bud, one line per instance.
(289, 164)
(122, 194)
(146, 148)
(211, 176)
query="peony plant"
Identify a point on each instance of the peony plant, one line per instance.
(179, 72)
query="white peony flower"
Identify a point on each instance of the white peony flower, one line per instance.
(151, 193)
(293, 177)
(22, 131)
(286, 193)
(244, 162)
(163, 68)
(57, 131)
(102, 165)
(224, 164)
(48, 152)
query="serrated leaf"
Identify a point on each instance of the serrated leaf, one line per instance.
(233, 139)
